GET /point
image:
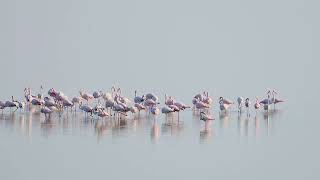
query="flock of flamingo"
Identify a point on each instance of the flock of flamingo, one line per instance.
(113, 103)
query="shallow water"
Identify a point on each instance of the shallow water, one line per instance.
(262, 145)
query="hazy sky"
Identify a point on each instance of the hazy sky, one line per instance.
(178, 47)
(229, 47)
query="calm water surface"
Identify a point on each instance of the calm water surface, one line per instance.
(263, 146)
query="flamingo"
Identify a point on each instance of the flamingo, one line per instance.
(174, 107)
(109, 104)
(98, 107)
(201, 105)
(138, 99)
(28, 95)
(155, 110)
(97, 95)
(46, 111)
(140, 107)
(266, 102)
(133, 109)
(67, 103)
(247, 104)
(21, 104)
(274, 100)
(52, 92)
(12, 104)
(48, 101)
(223, 106)
(2, 106)
(168, 100)
(37, 102)
(120, 109)
(150, 102)
(101, 113)
(166, 110)
(76, 100)
(257, 104)
(86, 96)
(199, 97)
(240, 102)
(181, 106)
(86, 108)
(226, 101)
(205, 117)
(152, 96)
(207, 99)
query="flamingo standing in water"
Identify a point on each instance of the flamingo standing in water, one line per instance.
(266, 102)
(86, 96)
(240, 102)
(2, 106)
(152, 96)
(138, 99)
(12, 104)
(257, 104)
(247, 105)
(201, 105)
(168, 100)
(274, 100)
(155, 110)
(207, 99)
(166, 110)
(86, 108)
(97, 95)
(46, 111)
(76, 100)
(224, 104)
(205, 117)
(140, 107)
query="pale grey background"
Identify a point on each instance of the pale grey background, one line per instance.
(229, 48)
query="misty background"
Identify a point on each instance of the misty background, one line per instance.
(229, 48)
(177, 47)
